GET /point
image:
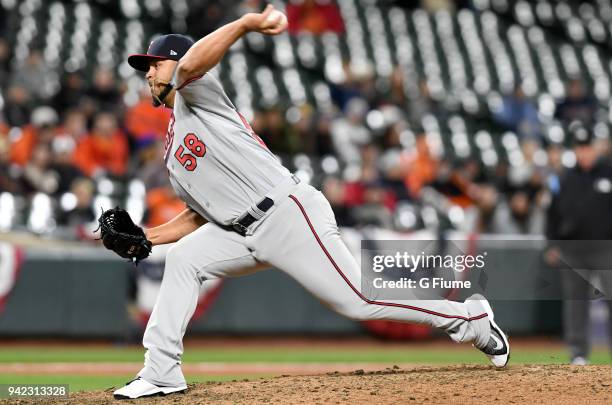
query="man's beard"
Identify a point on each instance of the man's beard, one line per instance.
(159, 100)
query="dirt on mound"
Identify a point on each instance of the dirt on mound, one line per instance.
(558, 384)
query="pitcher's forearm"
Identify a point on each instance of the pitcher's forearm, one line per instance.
(175, 229)
(208, 51)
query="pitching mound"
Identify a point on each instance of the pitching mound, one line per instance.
(558, 384)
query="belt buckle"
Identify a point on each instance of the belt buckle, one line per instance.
(241, 229)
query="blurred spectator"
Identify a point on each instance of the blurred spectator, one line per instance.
(580, 210)
(321, 132)
(151, 167)
(74, 125)
(17, 106)
(314, 16)
(71, 92)
(373, 203)
(9, 173)
(104, 95)
(37, 174)
(162, 205)
(363, 77)
(393, 162)
(421, 166)
(83, 212)
(334, 190)
(206, 16)
(530, 175)
(358, 82)
(461, 182)
(303, 121)
(105, 149)
(349, 132)
(518, 214)
(41, 130)
(276, 132)
(143, 120)
(554, 153)
(62, 163)
(487, 204)
(519, 114)
(577, 105)
(33, 76)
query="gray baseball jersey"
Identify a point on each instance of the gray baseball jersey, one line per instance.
(216, 163)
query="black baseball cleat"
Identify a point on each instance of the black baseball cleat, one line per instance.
(497, 348)
(140, 388)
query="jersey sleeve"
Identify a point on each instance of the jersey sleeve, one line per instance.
(202, 89)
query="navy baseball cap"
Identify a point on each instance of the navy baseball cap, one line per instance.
(171, 46)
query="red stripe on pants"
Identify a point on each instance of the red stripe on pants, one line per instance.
(364, 298)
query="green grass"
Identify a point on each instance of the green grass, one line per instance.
(435, 355)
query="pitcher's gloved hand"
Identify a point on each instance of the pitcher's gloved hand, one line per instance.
(121, 235)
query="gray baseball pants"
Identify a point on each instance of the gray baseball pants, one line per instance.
(298, 236)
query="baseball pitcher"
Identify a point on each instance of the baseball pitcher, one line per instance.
(246, 212)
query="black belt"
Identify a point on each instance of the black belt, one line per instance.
(241, 225)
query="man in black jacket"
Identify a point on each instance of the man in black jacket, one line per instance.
(579, 227)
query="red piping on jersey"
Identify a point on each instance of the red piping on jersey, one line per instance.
(250, 129)
(364, 298)
(186, 82)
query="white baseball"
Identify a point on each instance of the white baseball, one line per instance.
(278, 18)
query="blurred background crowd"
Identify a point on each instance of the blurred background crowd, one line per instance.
(435, 114)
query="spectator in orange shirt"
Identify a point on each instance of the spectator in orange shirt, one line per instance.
(105, 149)
(41, 130)
(143, 120)
(422, 167)
(162, 205)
